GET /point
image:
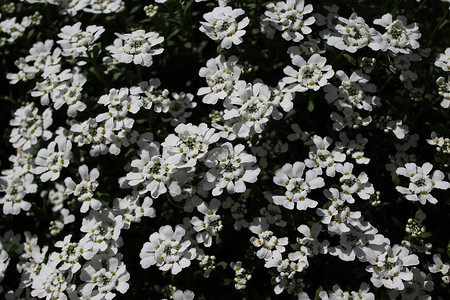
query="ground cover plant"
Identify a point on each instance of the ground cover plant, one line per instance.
(181, 149)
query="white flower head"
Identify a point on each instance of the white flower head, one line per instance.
(136, 47)
(168, 250)
(399, 37)
(421, 183)
(221, 75)
(230, 167)
(76, 42)
(443, 60)
(289, 18)
(311, 75)
(221, 24)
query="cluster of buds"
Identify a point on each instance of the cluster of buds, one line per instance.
(241, 275)
(415, 227)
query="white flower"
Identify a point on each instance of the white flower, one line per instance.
(230, 167)
(350, 184)
(435, 140)
(4, 262)
(438, 265)
(297, 188)
(178, 108)
(71, 252)
(444, 91)
(363, 293)
(103, 228)
(221, 76)
(298, 134)
(312, 74)
(85, 189)
(269, 245)
(399, 37)
(402, 62)
(51, 283)
(321, 158)
(353, 92)
(389, 268)
(50, 162)
(72, 96)
(415, 288)
(421, 184)
(330, 20)
(183, 295)
(56, 226)
(305, 48)
(133, 209)
(101, 7)
(221, 24)
(241, 275)
(16, 183)
(211, 223)
(104, 275)
(137, 47)
(150, 95)
(351, 119)
(190, 144)
(152, 173)
(443, 60)
(351, 34)
(30, 126)
(249, 109)
(13, 28)
(168, 250)
(76, 42)
(288, 17)
(310, 241)
(119, 104)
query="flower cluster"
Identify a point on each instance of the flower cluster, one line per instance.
(137, 47)
(288, 17)
(221, 24)
(76, 42)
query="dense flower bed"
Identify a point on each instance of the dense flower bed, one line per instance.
(224, 149)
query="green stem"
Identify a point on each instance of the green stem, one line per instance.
(394, 10)
(386, 82)
(438, 25)
(150, 119)
(420, 6)
(139, 72)
(98, 72)
(336, 59)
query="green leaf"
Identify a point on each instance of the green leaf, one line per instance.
(172, 34)
(218, 240)
(295, 247)
(227, 281)
(385, 295)
(222, 264)
(443, 24)
(425, 235)
(310, 105)
(290, 114)
(96, 50)
(397, 223)
(130, 152)
(141, 121)
(350, 59)
(103, 196)
(395, 179)
(316, 295)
